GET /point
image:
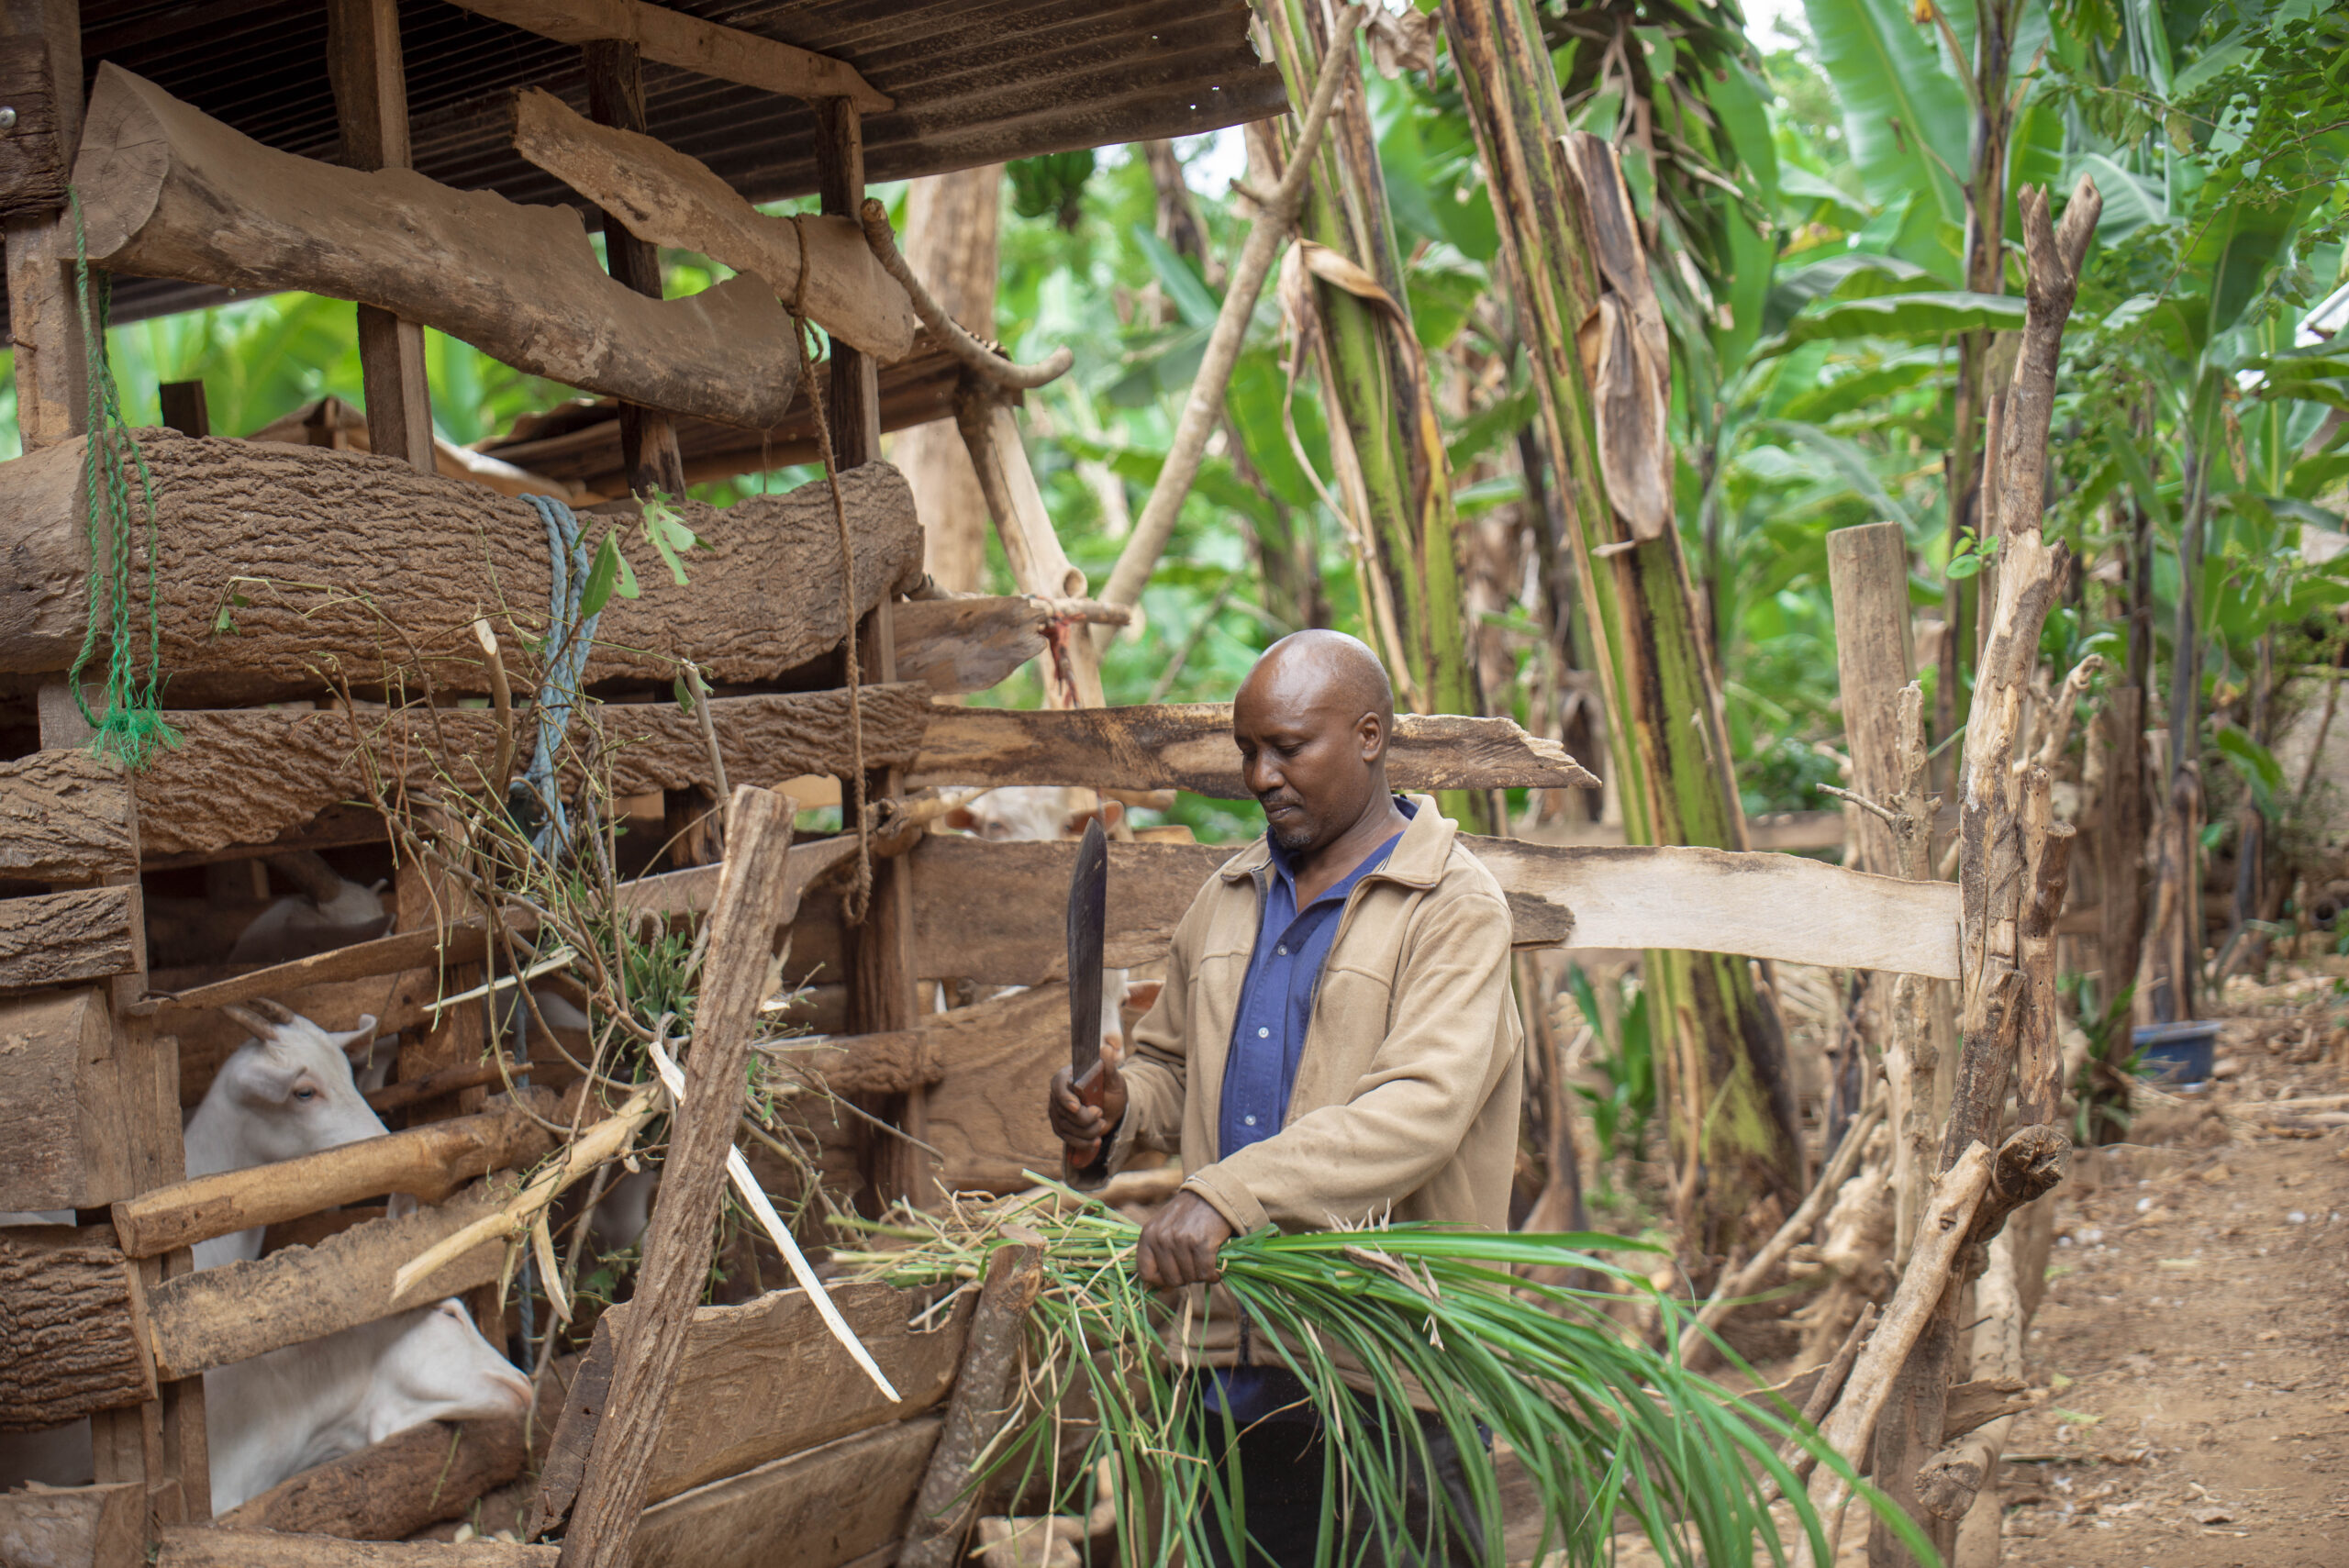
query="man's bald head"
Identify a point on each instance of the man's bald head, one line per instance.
(1312, 721)
(1327, 668)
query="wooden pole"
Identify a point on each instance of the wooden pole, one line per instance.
(615, 97)
(2009, 852)
(984, 1396)
(1876, 661)
(883, 996)
(371, 102)
(184, 410)
(52, 384)
(677, 1247)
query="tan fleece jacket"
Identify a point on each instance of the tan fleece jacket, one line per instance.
(1407, 1090)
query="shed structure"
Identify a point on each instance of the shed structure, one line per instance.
(325, 613)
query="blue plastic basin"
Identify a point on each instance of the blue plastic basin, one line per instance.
(2176, 1053)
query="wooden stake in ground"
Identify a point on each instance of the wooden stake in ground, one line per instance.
(2011, 855)
(677, 1248)
(982, 1396)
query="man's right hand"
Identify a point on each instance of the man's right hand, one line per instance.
(1081, 1127)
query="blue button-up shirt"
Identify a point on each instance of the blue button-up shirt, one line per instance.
(1276, 999)
(1275, 1008)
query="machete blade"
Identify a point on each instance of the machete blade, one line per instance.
(1088, 907)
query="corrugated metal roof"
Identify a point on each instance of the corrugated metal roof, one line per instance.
(974, 81)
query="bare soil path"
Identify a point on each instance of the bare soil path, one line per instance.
(2192, 1352)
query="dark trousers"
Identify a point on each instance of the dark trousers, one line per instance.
(1281, 1493)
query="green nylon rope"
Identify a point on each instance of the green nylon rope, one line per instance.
(132, 728)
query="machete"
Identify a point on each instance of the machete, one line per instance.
(1088, 909)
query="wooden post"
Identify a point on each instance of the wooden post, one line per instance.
(880, 953)
(52, 383)
(1875, 655)
(370, 81)
(615, 97)
(984, 1397)
(2011, 860)
(184, 410)
(650, 1348)
(1883, 728)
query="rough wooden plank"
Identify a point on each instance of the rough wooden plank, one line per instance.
(76, 1527)
(55, 939)
(694, 891)
(69, 1341)
(44, 323)
(370, 78)
(649, 453)
(676, 39)
(65, 817)
(669, 198)
(1759, 906)
(203, 1546)
(765, 1379)
(394, 1488)
(242, 1309)
(427, 1163)
(169, 192)
(819, 1509)
(299, 532)
(646, 1348)
(896, 1062)
(60, 1093)
(380, 956)
(1189, 746)
(243, 777)
(986, 1112)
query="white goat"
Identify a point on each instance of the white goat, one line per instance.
(288, 1091)
(276, 1415)
(301, 924)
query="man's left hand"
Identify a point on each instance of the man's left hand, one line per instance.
(1178, 1246)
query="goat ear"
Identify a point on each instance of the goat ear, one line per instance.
(960, 817)
(358, 1038)
(1142, 995)
(262, 1029)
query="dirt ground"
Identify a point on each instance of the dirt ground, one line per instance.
(2190, 1353)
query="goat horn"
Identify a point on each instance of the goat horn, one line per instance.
(277, 1012)
(261, 1028)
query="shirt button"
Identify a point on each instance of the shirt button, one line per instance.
(1264, 1034)
(1282, 950)
(1249, 1121)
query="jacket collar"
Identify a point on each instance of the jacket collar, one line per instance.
(1418, 861)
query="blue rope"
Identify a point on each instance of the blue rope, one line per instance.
(569, 639)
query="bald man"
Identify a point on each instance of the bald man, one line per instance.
(1335, 1043)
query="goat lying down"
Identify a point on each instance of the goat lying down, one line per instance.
(286, 1092)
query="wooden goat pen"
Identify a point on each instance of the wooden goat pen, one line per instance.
(337, 585)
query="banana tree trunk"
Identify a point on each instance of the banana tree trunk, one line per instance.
(1579, 276)
(1385, 438)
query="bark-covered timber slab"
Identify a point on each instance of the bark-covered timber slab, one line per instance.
(169, 192)
(985, 1116)
(75, 1527)
(1757, 905)
(69, 1344)
(61, 1100)
(766, 1379)
(243, 1309)
(1189, 746)
(208, 1546)
(389, 1490)
(351, 567)
(55, 939)
(65, 817)
(824, 1508)
(243, 777)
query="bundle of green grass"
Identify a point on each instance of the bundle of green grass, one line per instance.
(1387, 1329)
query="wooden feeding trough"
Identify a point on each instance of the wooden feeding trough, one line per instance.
(323, 612)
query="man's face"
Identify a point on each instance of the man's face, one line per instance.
(1306, 757)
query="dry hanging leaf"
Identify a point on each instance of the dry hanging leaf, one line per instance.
(1401, 42)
